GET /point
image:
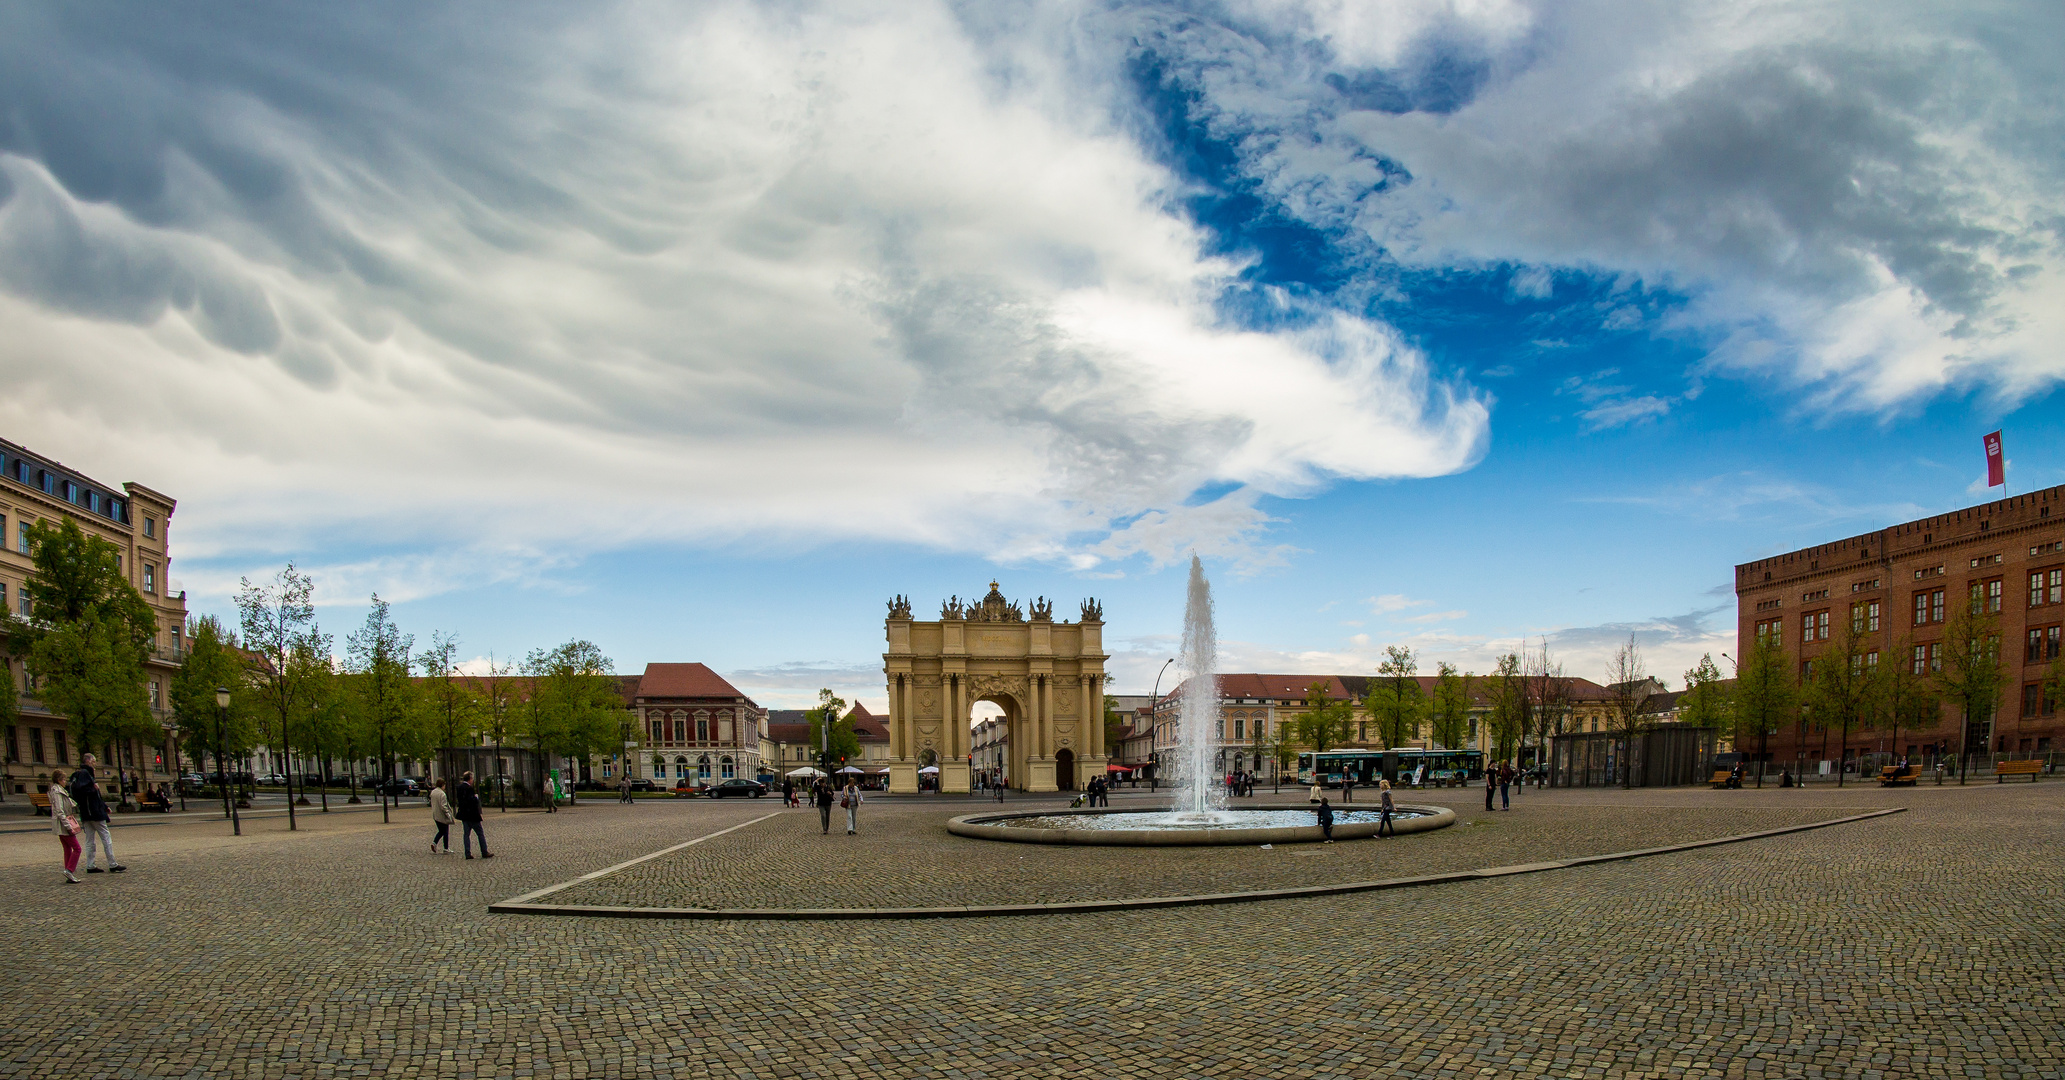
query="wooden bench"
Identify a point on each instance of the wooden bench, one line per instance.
(41, 803)
(2017, 768)
(1896, 775)
(1722, 778)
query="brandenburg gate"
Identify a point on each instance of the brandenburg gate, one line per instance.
(1047, 676)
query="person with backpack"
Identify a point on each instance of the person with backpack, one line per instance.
(93, 815)
(469, 813)
(64, 821)
(850, 801)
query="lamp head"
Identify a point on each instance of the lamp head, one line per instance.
(222, 697)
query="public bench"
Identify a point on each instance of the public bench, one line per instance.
(1722, 778)
(2017, 768)
(41, 803)
(1895, 775)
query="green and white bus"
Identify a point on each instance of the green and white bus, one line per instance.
(1415, 767)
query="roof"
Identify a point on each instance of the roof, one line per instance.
(788, 726)
(1292, 688)
(684, 681)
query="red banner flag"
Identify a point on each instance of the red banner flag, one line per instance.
(1996, 469)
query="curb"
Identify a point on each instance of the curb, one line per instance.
(517, 906)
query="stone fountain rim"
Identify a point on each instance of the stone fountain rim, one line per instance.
(980, 826)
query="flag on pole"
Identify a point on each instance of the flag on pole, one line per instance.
(1996, 469)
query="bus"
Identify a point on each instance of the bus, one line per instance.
(1415, 767)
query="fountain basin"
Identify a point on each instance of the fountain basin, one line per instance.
(1283, 823)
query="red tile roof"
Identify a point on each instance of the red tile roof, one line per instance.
(684, 681)
(1292, 688)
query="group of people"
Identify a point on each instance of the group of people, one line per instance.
(461, 804)
(1385, 829)
(824, 794)
(79, 808)
(1240, 784)
(1500, 779)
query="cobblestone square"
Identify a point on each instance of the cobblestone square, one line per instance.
(1919, 944)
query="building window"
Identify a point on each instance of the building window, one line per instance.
(150, 526)
(726, 767)
(36, 745)
(1935, 657)
(659, 731)
(2042, 644)
(702, 727)
(64, 753)
(21, 531)
(703, 767)
(150, 577)
(14, 749)
(1240, 728)
(680, 768)
(2045, 586)
(1814, 626)
(157, 698)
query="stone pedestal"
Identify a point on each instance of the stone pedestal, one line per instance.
(953, 777)
(903, 777)
(1039, 775)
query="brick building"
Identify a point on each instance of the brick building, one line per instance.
(1900, 585)
(138, 521)
(697, 726)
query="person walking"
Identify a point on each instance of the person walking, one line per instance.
(441, 816)
(624, 787)
(1326, 821)
(1491, 785)
(1384, 827)
(788, 792)
(822, 791)
(93, 815)
(1348, 788)
(469, 816)
(1505, 785)
(850, 800)
(64, 821)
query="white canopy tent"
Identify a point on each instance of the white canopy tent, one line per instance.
(929, 769)
(807, 772)
(851, 771)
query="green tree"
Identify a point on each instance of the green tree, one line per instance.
(1839, 689)
(1902, 698)
(326, 711)
(452, 706)
(377, 659)
(85, 641)
(1395, 702)
(1766, 696)
(1706, 701)
(577, 706)
(1325, 723)
(278, 623)
(1627, 687)
(1283, 750)
(499, 709)
(1506, 720)
(1114, 722)
(1451, 707)
(1973, 676)
(1548, 697)
(213, 662)
(845, 744)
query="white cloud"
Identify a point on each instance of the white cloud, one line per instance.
(734, 275)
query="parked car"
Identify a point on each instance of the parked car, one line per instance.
(737, 786)
(193, 782)
(400, 785)
(272, 779)
(642, 783)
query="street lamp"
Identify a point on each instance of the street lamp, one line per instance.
(236, 823)
(1154, 701)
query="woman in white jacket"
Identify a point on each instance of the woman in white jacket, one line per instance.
(64, 821)
(441, 816)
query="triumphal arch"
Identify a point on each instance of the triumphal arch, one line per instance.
(1047, 676)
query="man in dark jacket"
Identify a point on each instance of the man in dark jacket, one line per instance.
(823, 794)
(93, 814)
(1326, 820)
(466, 806)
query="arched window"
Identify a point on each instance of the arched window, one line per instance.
(703, 766)
(725, 764)
(681, 767)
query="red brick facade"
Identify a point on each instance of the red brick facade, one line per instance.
(1903, 583)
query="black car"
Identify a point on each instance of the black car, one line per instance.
(400, 785)
(642, 783)
(736, 786)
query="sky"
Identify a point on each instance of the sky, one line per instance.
(699, 330)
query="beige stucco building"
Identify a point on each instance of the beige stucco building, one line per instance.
(1047, 676)
(137, 520)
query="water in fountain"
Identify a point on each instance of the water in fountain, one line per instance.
(1197, 724)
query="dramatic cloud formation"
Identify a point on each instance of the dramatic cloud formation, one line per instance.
(473, 290)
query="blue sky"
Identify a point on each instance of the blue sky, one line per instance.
(700, 330)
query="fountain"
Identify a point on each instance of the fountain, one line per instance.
(1199, 814)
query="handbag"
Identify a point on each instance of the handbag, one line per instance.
(845, 802)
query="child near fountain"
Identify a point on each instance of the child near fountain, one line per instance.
(1326, 821)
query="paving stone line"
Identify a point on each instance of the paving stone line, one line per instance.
(524, 905)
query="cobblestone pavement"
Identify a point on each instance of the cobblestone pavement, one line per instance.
(1922, 944)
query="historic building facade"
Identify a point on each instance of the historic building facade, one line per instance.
(1047, 676)
(1899, 586)
(696, 726)
(137, 520)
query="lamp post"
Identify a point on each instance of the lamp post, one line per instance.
(1154, 701)
(236, 823)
